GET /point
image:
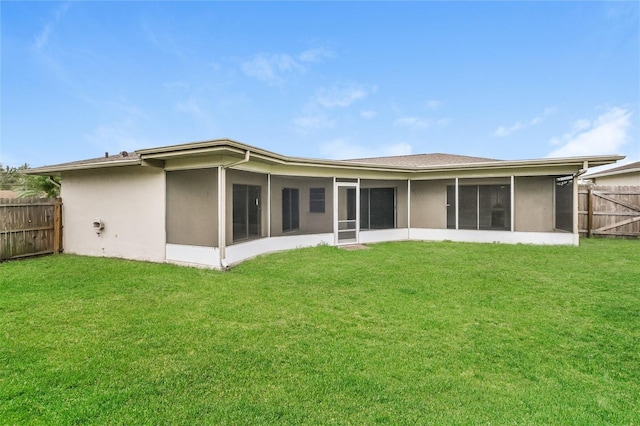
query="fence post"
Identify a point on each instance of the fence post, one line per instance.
(589, 213)
(57, 226)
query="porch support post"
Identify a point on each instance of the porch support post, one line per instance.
(513, 203)
(457, 204)
(358, 211)
(222, 214)
(408, 209)
(269, 205)
(335, 211)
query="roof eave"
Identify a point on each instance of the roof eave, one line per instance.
(57, 170)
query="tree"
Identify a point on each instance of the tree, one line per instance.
(13, 178)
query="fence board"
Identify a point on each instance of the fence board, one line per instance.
(609, 211)
(29, 227)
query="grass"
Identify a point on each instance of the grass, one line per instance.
(403, 333)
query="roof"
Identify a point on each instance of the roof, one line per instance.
(7, 193)
(124, 158)
(403, 164)
(627, 168)
(422, 160)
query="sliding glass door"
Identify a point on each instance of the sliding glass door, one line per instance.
(246, 212)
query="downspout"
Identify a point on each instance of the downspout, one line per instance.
(52, 181)
(583, 170)
(222, 207)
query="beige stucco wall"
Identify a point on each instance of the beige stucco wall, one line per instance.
(310, 223)
(131, 203)
(429, 204)
(627, 179)
(192, 207)
(534, 210)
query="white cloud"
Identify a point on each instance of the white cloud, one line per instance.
(41, 40)
(314, 122)
(503, 131)
(339, 96)
(506, 131)
(315, 114)
(420, 122)
(607, 134)
(315, 55)
(191, 106)
(271, 68)
(343, 148)
(368, 115)
(116, 137)
(410, 121)
(433, 104)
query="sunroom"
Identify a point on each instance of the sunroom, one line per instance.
(216, 203)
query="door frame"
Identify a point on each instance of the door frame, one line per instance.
(337, 186)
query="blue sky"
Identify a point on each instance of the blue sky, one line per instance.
(506, 80)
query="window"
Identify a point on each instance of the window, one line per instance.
(246, 212)
(316, 200)
(290, 209)
(377, 208)
(479, 207)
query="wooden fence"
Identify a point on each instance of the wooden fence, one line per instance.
(30, 227)
(609, 211)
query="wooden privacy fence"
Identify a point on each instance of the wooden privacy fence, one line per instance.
(30, 227)
(609, 211)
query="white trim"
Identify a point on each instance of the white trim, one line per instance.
(503, 237)
(268, 204)
(237, 253)
(336, 211)
(513, 203)
(358, 211)
(183, 254)
(409, 208)
(222, 213)
(457, 204)
(382, 235)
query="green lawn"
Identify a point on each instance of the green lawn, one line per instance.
(403, 333)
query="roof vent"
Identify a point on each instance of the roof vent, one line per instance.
(106, 155)
(124, 153)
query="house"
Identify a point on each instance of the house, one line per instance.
(627, 175)
(216, 203)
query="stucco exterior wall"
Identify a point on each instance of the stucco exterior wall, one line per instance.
(534, 208)
(310, 223)
(130, 201)
(627, 179)
(429, 203)
(192, 207)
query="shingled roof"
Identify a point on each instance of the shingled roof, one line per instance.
(402, 163)
(108, 158)
(423, 160)
(627, 168)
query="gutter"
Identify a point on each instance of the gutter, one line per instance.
(583, 170)
(222, 204)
